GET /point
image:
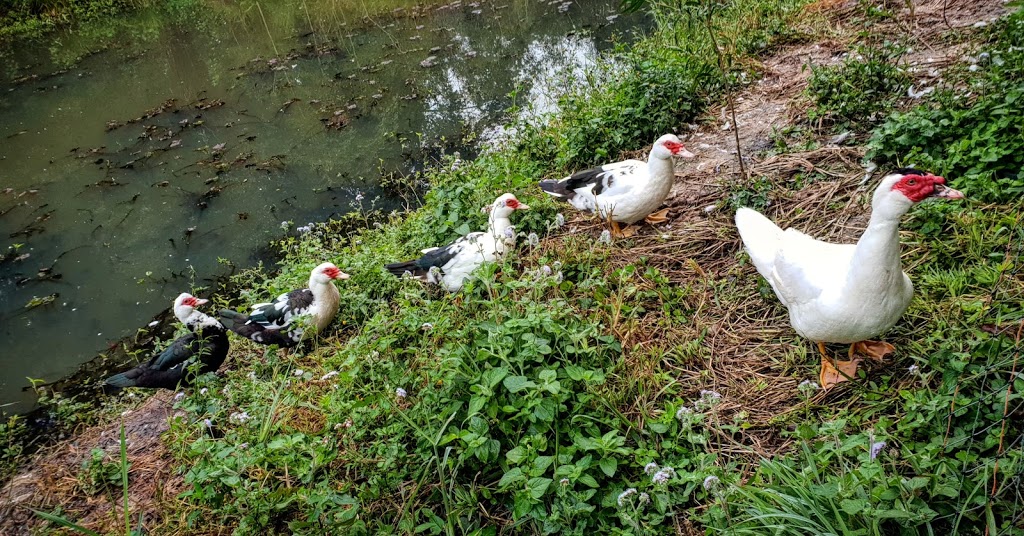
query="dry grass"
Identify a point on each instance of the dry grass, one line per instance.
(52, 479)
(736, 339)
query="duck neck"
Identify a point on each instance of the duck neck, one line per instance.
(323, 290)
(497, 226)
(878, 249)
(198, 321)
(661, 171)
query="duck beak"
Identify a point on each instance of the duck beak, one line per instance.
(945, 192)
(200, 301)
(685, 155)
(523, 206)
(342, 275)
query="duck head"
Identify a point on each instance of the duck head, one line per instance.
(325, 273)
(668, 146)
(906, 187)
(185, 304)
(504, 206)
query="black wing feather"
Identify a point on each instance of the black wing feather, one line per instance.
(597, 177)
(281, 311)
(438, 257)
(169, 368)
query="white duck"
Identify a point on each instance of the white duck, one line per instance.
(451, 265)
(271, 323)
(624, 192)
(843, 293)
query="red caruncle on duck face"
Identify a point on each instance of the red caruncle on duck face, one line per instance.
(918, 186)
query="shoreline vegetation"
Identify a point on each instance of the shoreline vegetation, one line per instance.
(644, 386)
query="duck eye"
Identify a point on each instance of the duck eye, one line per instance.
(912, 182)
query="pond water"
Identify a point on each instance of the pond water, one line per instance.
(150, 167)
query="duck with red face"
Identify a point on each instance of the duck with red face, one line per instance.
(207, 344)
(451, 265)
(843, 293)
(624, 192)
(274, 322)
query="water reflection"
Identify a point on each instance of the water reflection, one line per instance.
(145, 169)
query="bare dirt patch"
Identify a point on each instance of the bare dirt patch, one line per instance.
(52, 479)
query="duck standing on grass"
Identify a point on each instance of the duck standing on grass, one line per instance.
(624, 192)
(271, 323)
(207, 343)
(451, 265)
(843, 293)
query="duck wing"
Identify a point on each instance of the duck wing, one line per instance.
(440, 257)
(797, 266)
(805, 267)
(582, 188)
(283, 310)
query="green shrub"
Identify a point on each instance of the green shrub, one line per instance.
(976, 140)
(864, 85)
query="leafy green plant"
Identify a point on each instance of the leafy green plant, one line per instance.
(975, 141)
(865, 86)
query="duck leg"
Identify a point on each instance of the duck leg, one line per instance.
(834, 371)
(616, 230)
(876, 350)
(660, 216)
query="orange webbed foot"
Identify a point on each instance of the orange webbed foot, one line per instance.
(660, 216)
(876, 350)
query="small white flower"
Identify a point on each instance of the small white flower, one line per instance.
(807, 387)
(243, 446)
(546, 270)
(711, 482)
(559, 220)
(510, 232)
(252, 375)
(427, 326)
(203, 391)
(533, 239)
(708, 399)
(564, 482)
(359, 196)
(625, 495)
(400, 393)
(179, 396)
(644, 498)
(606, 237)
(329, 375)
(285, 225)
(299, 372)
(914, 369)
(208, 423)
(663, 475)
(239, 417)
(651, 468)
(348, 423)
